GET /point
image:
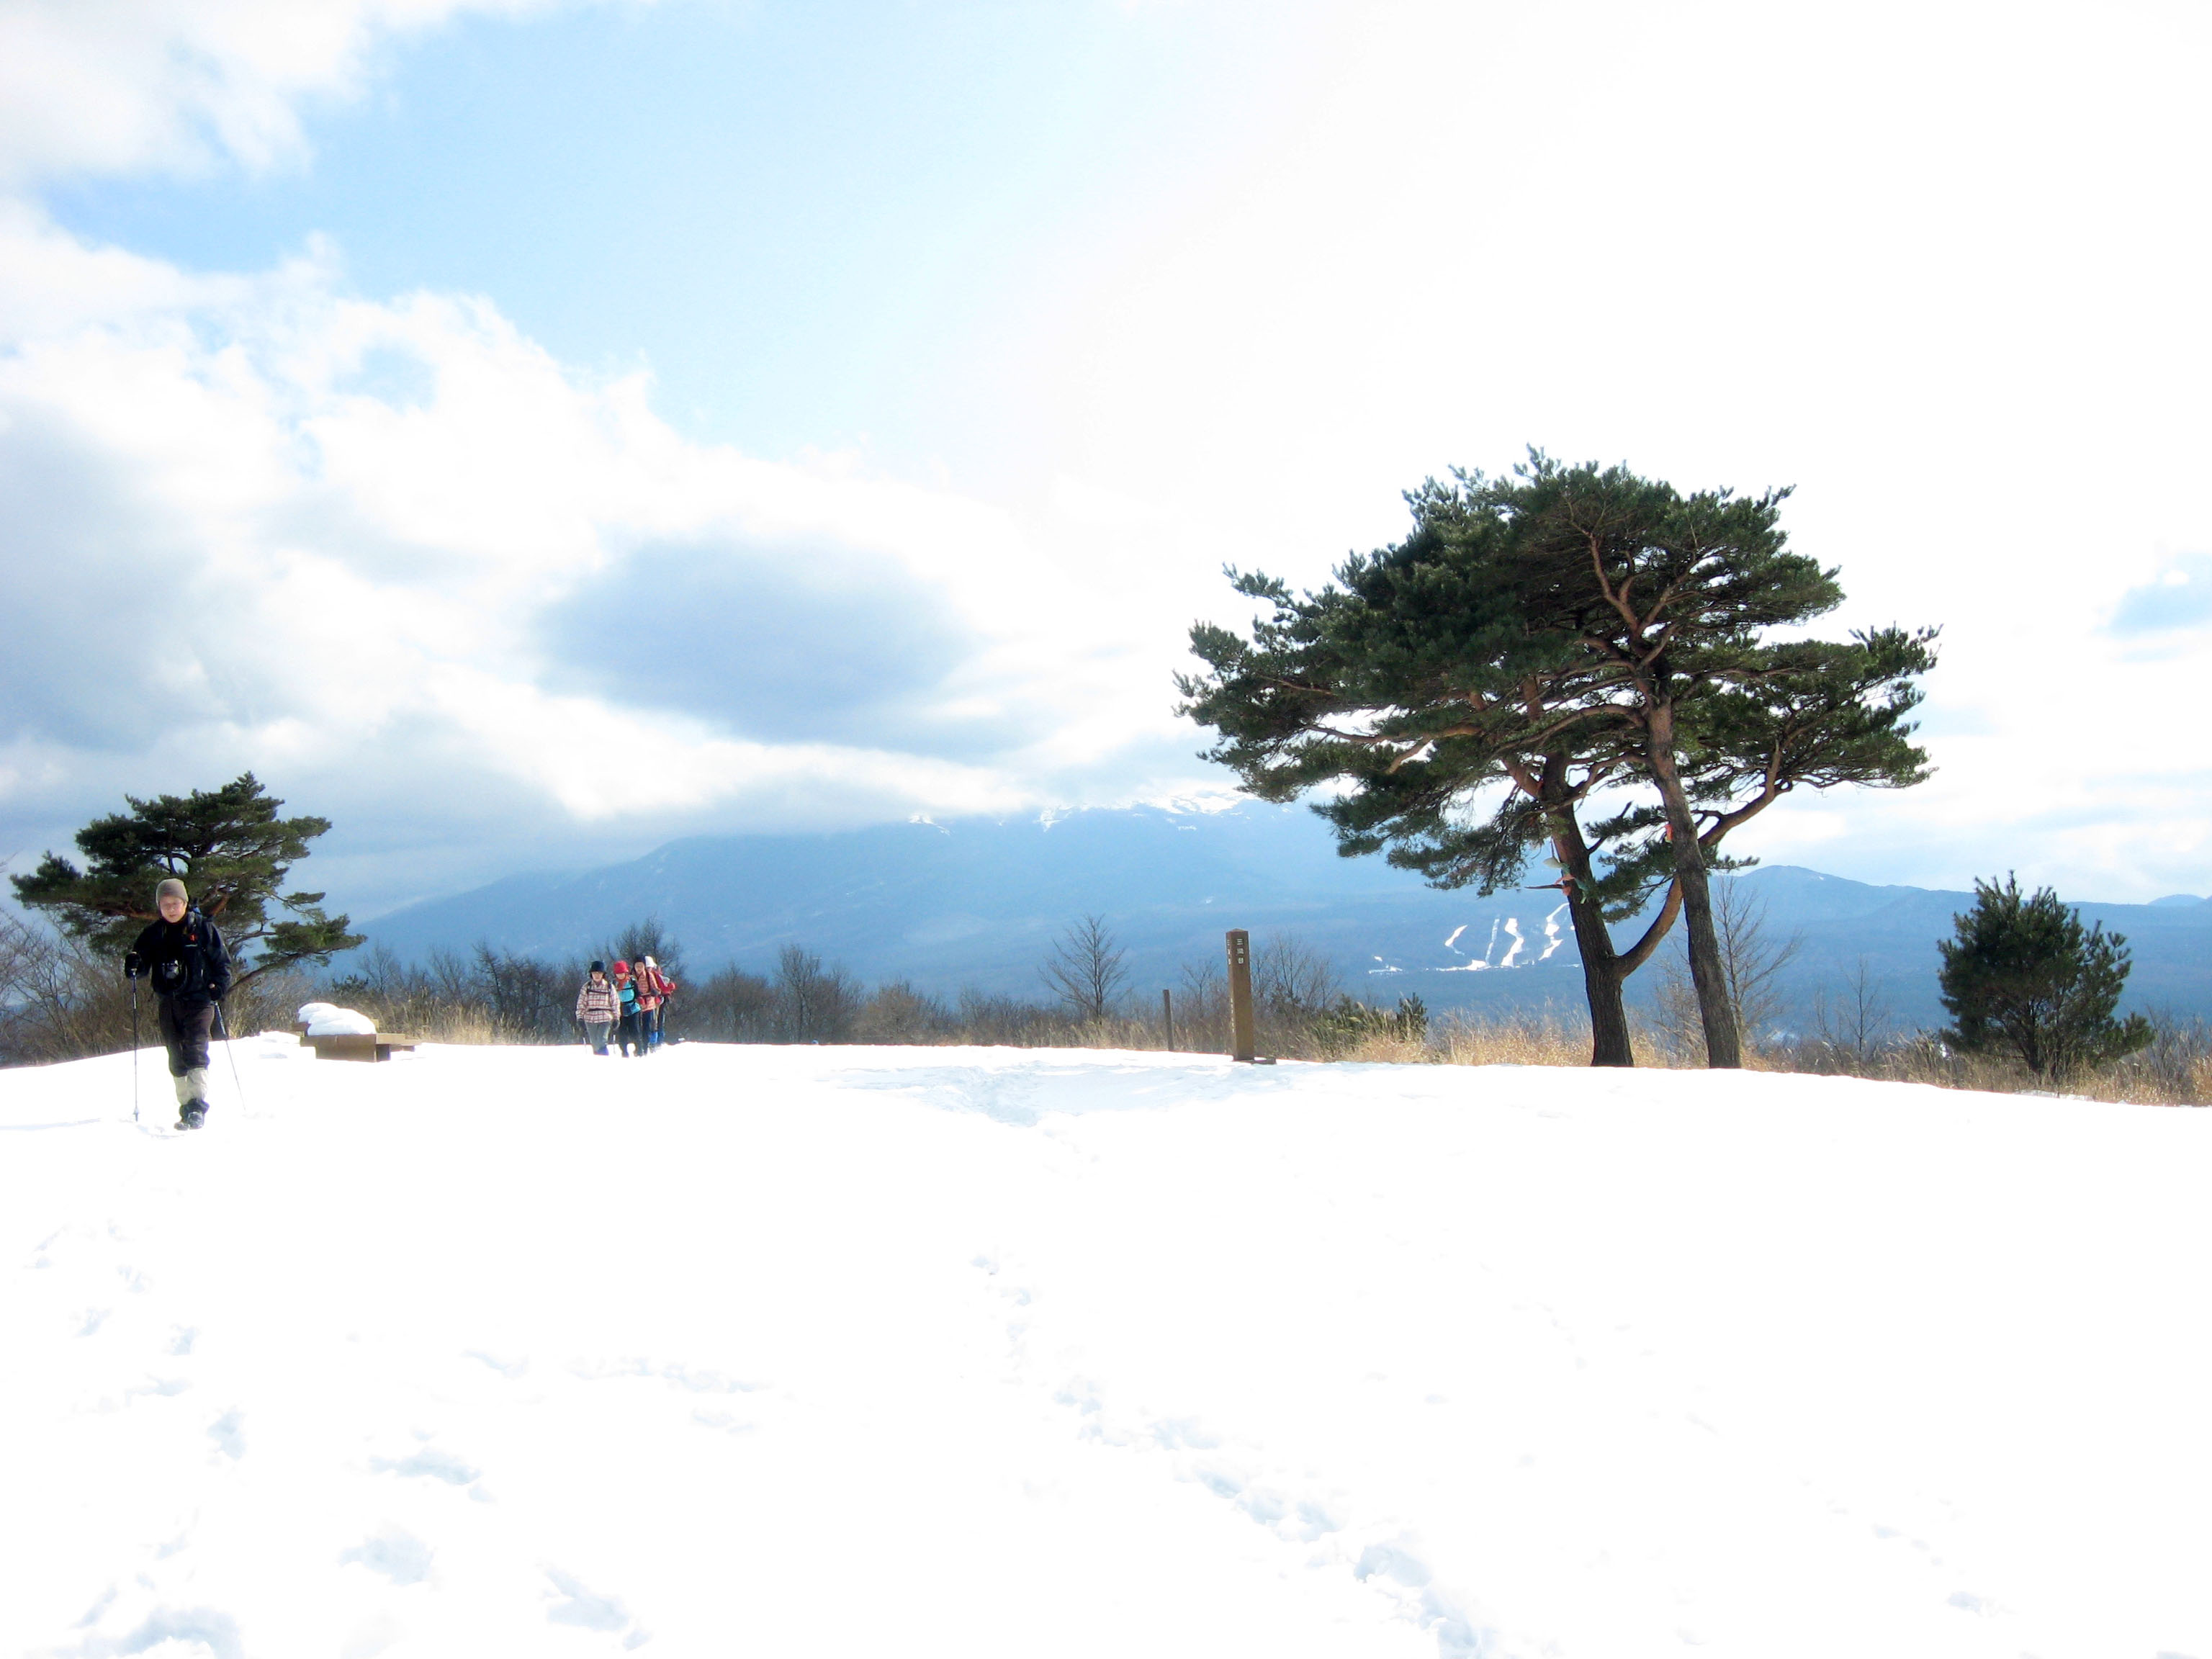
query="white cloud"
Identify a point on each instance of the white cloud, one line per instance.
(125, 86)
(255, 522)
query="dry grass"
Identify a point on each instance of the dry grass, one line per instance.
(455, 1023)
(1510, 1040)
(2141, 1080)
(2176, 1070)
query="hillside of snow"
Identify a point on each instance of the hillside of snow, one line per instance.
(863, 1352)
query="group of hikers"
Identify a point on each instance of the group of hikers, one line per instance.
(627, 1005)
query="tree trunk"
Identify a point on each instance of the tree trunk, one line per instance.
(1601, 980)
(1605, 969)
(1723, 1046)
(1601, 970)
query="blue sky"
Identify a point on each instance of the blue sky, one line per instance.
(815, 225)
(525, 432)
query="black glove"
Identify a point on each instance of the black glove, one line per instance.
(133, 964)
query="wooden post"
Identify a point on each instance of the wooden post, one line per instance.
(1167, 1015)
(1243, 1042)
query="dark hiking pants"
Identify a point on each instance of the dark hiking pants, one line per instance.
(184, 1032)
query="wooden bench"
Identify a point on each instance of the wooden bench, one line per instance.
(369, 1046)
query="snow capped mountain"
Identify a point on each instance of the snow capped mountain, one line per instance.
(979, 901)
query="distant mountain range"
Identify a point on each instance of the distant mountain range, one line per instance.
(979, 903)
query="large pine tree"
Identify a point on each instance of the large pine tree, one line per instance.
(1559, 634)
(230, 848)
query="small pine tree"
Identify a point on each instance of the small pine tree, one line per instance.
(1351, 1022)
(2023, 974)
(227, 845)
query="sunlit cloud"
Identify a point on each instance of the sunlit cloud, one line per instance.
(112, 86)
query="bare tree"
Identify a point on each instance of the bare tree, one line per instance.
(997, 1020)
(729, 1006)
(1752, 961)
(898, 1013)
(646, 939)
(528, 999)
(1202, 1006)
(18, 951)
(1291, 980)
(1853, 1025)
(1084, 970)
(453, 980)
(58, 999)
(814, 1004)
(2179, 1058)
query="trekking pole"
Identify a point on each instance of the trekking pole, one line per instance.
(134, 1048)
(224, 1025)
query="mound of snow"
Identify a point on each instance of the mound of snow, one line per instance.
(815, 1352)
(328, 1021)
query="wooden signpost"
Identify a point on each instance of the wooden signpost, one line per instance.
(1244, 1040)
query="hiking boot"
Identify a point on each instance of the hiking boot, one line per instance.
(193, 1115)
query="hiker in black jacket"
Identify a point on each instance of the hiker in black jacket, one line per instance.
(181, 957)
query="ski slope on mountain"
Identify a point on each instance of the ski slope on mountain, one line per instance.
(824, 1351)
(979, 901)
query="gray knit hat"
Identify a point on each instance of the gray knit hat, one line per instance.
(172, 888)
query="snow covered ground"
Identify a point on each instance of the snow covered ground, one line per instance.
(866, 1351)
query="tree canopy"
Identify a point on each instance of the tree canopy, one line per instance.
(230, 848)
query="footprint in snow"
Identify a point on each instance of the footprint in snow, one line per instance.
(588, 1610)
(673, 1372)
(399, 1556)
(97, 1610)
(194, 1630)
(432, 1463)
(228, 1433)
(510, 1369)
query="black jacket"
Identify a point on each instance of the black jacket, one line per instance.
(185, 960)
